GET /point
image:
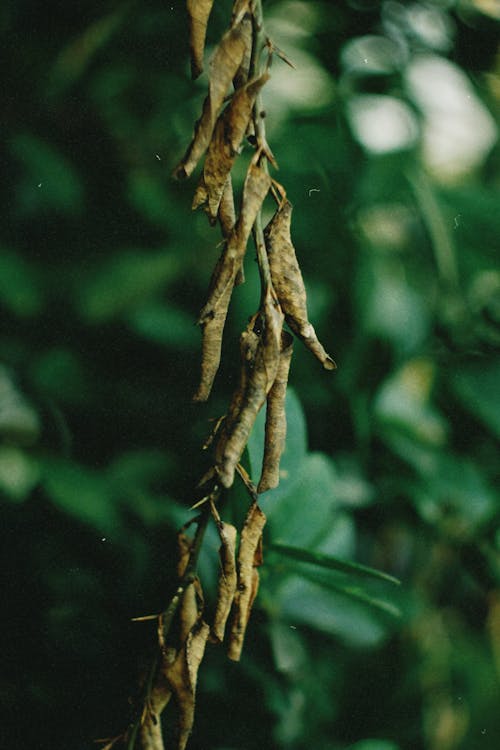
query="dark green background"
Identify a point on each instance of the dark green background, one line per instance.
(103, 269)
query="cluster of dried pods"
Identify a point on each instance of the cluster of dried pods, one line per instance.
(239, 64)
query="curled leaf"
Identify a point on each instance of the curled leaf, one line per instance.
(260, 356)
(189, 608)
(249, 557)
(199, 13)
(289, 284)
(156, 701)
(214, 313)
(275, 431)
(227, 579)
(226, 61)
(224, 146)
(181, 677)
(227, 220)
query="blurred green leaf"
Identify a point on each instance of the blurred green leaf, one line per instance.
(332, 563)
(19, 422)
(49, 181)
(331, 608)
(75, 57)
(19, 473)
(374, 745)
(82, 494)
(403, 406)
(125, 281)
(167, 325)
(478, 388)
(21, 285)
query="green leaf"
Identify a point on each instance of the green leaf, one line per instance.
(165, 325)
(478, 388)
(329, 608)
(374, 745)
(21, 289)
(19, 473)
(304, 509)
(332, 563)
(125, 281)
(81, 493)
(49, 182)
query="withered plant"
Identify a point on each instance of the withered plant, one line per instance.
(232, 115)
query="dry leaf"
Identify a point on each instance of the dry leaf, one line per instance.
(259, 368)
(181, 677)
(226, 61)
(227, 220)
(275, 432)
(227, 214)
(289, 284)
(150, 729)
(224, 146)
(199, 13)
(214, 313)
(249, 556)
(227, 579)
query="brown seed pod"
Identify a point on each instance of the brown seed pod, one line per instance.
(225, 63)
(227, 220)
(275, 431)
(224, 147)
(181, 677)
(191, 605)
(249, 557)
(214, 313)
(199, 13)
(289, 284)
(259, 368)
(227, 580)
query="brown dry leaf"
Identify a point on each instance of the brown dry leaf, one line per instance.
(181, 677)
(157, 700)
(214, 313)
(226, 61)
(227, 220)
(259, 368)
(227, 214)
(289, 284)
(224, 147)
(211, 347)
(188, 608)
(199, 13)
(249, 556)
(255, 189)
(276, 419)
(227, 579)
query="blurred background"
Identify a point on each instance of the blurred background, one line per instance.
(386, 138)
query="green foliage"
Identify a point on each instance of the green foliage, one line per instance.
(390, 464)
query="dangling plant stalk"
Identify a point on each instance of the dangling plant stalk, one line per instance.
(241, 61)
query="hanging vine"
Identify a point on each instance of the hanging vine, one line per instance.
(232, 114)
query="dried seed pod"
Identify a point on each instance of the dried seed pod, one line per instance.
(227, 579)
(199, 13)
(227, 220)
(191, 604)
(289, 284)
(225, 63)
(275, 431)
(249, 557)
(181, 677)
(214, 313)
(226, 212)
(224, 147)
(257, 376)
